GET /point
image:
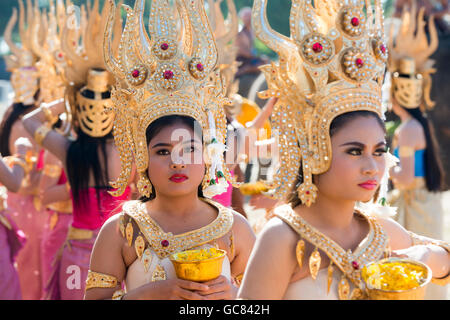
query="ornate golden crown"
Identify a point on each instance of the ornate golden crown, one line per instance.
(409, 61)
(332, 63)
(225, 32)
(51, 58)
(21, 63)
(170, 72)
(88, 82)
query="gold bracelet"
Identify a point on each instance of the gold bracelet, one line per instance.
(406, 151)
(238, 279)
(41, 133)
(52, 170)
(49, 116)
(100, 280)
(20, 162)
(118, 295)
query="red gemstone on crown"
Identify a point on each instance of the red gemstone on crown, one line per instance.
(359, 62)
(60, 55)
(307, 192)
(168, 74)
(135, 73)
(317, 47)
(355, 265)
(200, 67)
(164, 46)
(383, 48)
(165, 243)
(355, 22)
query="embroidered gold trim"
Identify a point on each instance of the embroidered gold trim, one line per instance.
(118, 295)
(166, 243)
(100, 280)
(79, 234)
(52, 170)
(350, 263)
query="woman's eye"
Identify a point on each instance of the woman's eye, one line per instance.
(163, 152)
(354, 152)
(380, 152)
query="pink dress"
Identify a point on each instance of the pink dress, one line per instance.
(11, 242)
(31, 219)
(55, 233)
(69, 280)
(226, 197)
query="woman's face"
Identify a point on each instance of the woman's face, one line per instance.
(358, 162)
(176, 166)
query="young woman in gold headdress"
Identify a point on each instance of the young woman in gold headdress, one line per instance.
(171, 114)
(332, 156)
(419, 177)
(91, 159)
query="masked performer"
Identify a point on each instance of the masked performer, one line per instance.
(24, 205)
(332, 155)
(91, 160)
(419, 177)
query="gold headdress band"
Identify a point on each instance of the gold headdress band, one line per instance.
(164, 74)
(333, 63)
(88, 82)
(409, 60)
(24, 78)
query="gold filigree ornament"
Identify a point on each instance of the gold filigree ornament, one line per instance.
(166, 70)
(300, 252)
(332, 63)
(88, 83)
(314, 263)
(409, 60)
(21, 62)
(225, 33)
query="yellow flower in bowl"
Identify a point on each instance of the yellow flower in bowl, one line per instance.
(198, 265)
(396, 279)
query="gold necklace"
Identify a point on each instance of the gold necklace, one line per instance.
(350, 263)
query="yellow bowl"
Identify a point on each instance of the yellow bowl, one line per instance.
(418, 286)
(198, 265)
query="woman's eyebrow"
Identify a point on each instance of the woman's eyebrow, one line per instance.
(362, 145)
(161, 144)
(353, 143)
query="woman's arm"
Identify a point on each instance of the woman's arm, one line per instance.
(36, 123)
(403, 243)
(403, 173)
(49, 190)
(107, 258)
(271, 264)
(12, 178)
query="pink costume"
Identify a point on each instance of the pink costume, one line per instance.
(30, 218)
(226, 198)
(68, 283)
(55, 233)
(11, 241)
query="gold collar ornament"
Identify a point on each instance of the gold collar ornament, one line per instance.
(333, 63)
(88, 82)
(373, 247)
(409, 61)
(21, 63)
(172, 71)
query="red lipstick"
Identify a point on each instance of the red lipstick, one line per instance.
(178, 178)
(369, 184)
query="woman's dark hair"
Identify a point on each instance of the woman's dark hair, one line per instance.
(434, 172)
(337, 123)
(15, 112)
(83, 159)
(156, 126)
